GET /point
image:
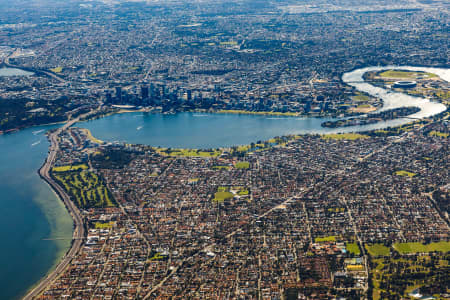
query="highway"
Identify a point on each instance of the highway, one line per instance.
(50, 74)
(79, 232)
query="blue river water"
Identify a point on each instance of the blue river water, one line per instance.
(35, 228)
(196, 130)
(14, 72)
(208, 130)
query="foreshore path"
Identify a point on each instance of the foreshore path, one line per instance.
(79, 232)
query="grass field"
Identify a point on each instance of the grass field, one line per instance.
(378, 250)
(405, 74)
(406, 248)
(268, 113)
(355, 268)
(221, 167)
(376, 272)
(363, 108)
(222, 189)
(189, 152)
(90, 137)
(242, 165)
(381, 131)
(56, 70)
(443, 95)
(330, 238)
(353, 248)
(70, 168)
(361, 97)
(222, 196)
(85, 188)
(336, 209)
(223, 193)
(438, 133)
(344, 136)
(229, 43)
(100, 225)
(394, 278)
(243, 148)
(275, 141)
(243, 192)
(157, 256)
(405, 173)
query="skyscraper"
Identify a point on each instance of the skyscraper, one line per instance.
(118, 93)
(144, 92)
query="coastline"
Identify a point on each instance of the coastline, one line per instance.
(61, 253)
(37, 229)
(91, 137)
(79, 226)
(13, 130)
(69, 204)
(17, 129)
(40, 286)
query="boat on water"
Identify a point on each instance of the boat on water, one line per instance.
(139, 128)
(38, 131)
(35, 143)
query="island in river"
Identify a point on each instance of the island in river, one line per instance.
(373, 118)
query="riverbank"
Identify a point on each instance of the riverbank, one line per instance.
(10, 131)
(199, 130)
(91, 137)
(394, 99)
(262, 113)
(79, 226)
(78, 233)
(35, 228)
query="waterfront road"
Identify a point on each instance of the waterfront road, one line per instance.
(79, 232)
(50, 74)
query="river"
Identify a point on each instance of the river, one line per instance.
(33, 219)
(5, 72)
(35, 228)
(393, 100)
(195, 130)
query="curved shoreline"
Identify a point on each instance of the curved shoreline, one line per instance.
(393, 99)
(352, 78)
(79, 231)
(35, 71)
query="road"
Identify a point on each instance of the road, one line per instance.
(50, 74)
(79, 232)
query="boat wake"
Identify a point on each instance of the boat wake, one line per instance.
(36, 143)
(38, 131)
